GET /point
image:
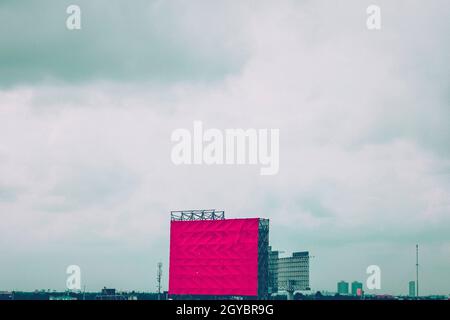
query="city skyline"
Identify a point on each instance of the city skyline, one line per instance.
(360, 117)
(281, 255)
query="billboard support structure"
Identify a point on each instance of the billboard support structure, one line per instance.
(212, 257)
(194, 215)
(263, 259)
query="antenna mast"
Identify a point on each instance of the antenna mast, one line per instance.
(158, 277)
(417, 270)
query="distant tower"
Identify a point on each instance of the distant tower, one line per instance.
(158, 277)
(412, 289)
(417, 270)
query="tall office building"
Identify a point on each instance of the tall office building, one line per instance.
(342, 287)
(412, 288)
(288, 273)
(357, 288)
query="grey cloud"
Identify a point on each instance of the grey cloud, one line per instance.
(8, 194)
(363, 119)
(85, 187)
(159, 41)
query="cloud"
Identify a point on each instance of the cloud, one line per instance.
(363, 117)
(158, 41)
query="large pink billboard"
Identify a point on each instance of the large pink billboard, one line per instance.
(214, 257)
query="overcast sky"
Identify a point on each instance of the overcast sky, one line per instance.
(86, 117)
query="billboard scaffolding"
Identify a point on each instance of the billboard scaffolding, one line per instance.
(192, 215)
(263, 259)
(215, 257)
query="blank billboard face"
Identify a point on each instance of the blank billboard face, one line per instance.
(214, 257)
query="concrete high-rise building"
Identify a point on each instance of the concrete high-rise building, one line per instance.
(357, 288)
(342, 287)
(288, 273)
(412, 288)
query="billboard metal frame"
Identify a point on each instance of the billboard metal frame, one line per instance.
(193, 215)
(263, 259)
(263, 248)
